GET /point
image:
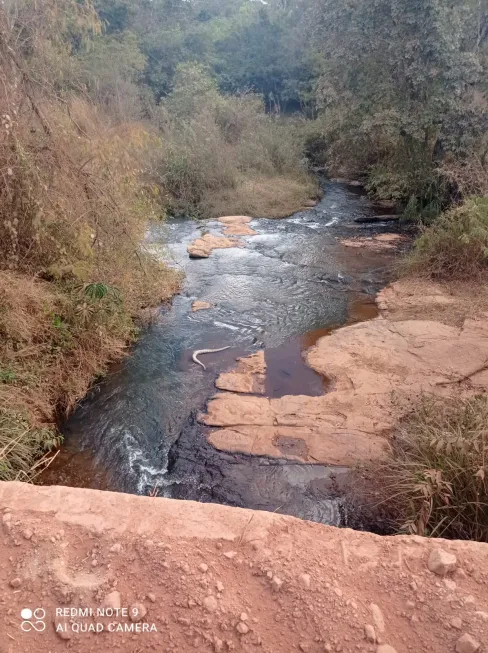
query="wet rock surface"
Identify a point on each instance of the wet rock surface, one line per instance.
(202, 247)
(237, 225)
(200, 306)
(376, 368)
(248, 376)
(377, 242)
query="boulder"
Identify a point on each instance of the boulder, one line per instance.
(200, 305)
(237, 225)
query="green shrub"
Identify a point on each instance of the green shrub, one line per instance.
(456, 245)
(436, 484)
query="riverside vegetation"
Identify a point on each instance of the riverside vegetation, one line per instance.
(116, 112)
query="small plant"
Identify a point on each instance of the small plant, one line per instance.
(436, 484)
(424, 212)
(96, 290)
(59, 323)
(7, 375)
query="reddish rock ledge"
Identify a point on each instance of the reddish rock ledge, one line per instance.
(237, 225)
(203, 247)
(247, 377)
(425, 340)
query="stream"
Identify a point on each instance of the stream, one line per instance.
(136, 431)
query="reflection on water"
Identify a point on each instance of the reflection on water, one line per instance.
(292, 284)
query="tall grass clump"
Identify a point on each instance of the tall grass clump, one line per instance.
(455, 246)
(436, 484)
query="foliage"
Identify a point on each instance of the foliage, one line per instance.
(456, 245)
(110, 73)
(403, 88)
(214, 146)
(75, 202)
(437, 482)
(247, 46)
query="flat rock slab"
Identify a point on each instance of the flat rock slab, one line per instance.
(203, 247)
(237, 225)
(192, 568)
(247, 377)
(376, 369)
(235, 219)
(303, 428)
(200, 305)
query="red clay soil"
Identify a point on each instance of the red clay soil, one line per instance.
(182, 576)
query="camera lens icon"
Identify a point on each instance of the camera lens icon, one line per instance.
(33, 620)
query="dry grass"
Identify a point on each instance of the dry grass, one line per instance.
(75, 203)
(277, 197)
(436, 484)
(226, 155)
(53, 342)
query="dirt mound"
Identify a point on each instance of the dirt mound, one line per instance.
(184, 576)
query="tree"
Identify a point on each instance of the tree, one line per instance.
(403, 79)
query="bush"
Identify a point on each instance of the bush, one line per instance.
(456, 245)
(437, 482)
(216, 147)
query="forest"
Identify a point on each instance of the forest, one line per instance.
(117, 112)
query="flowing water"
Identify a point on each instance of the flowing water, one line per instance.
(137, 430)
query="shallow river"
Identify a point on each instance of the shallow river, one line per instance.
(136, 431)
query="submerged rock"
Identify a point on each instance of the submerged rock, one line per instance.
(378, 242)
(200, 305)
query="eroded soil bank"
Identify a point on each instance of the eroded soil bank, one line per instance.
(275, 289)
(206, 577)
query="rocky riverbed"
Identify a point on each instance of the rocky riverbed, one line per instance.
(268, 290)
(376, 369)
